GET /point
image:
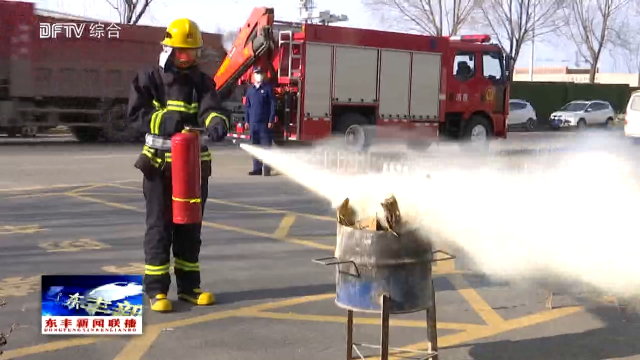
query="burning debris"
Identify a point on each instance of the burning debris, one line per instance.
(392, 220)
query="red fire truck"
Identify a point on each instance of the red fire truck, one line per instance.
(336, 80)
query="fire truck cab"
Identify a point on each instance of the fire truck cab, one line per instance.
(365, 84)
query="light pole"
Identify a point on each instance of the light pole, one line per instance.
(308, 14)
(533, 44)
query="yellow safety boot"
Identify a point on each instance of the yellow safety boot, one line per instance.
(160, 303)
(198, 297)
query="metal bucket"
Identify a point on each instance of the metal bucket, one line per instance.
(371, 263)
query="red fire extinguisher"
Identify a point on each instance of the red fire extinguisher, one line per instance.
(186, 177)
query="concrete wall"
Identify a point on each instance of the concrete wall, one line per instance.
(565, 74)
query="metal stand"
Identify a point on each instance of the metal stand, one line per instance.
(432, 333)
(385, 301)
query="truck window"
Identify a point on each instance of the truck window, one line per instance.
(491, 66)
(464, 66)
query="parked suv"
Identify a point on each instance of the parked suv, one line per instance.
(632, 117)
(581, 113)
(521, 115)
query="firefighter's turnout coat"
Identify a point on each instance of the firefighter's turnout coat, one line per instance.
(162, 102)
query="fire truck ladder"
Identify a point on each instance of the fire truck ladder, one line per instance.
(286, 37)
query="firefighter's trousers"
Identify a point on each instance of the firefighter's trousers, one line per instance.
(162, 235)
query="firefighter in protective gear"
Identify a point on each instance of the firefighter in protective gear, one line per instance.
(163, 101)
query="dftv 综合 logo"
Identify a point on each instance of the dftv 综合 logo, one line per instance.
(66, 30)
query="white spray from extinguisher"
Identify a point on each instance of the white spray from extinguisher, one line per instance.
(566, 218)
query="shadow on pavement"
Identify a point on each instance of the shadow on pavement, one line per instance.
(616, 339)
(274, 293)
(440, 284)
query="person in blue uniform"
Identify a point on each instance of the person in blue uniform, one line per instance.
(260, 116)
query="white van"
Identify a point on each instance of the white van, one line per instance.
(632, 117)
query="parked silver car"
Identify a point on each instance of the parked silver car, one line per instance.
(582, 113)
(521, 115)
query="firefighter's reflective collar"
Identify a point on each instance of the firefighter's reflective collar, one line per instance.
(161, 143)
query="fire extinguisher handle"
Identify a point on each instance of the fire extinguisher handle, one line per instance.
(193, 128)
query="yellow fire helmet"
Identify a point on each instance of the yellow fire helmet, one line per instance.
(183, 33)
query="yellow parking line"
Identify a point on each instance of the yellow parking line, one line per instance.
(103, 202)
(356, 320)
(215, 225)
(254, 207)
(478, 304)
(307, 243)
(137, 347)
(285, 226)
(126, 187)
(272, 210)
(444, 266)
(26, 196)
(32, 188)
(84, 188)
(487, 331)
(92, 193)
(57, 186)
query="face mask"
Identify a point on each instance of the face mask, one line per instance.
(185, 58)
(164, 56)
(258, 78)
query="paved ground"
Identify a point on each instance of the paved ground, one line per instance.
(78, 209)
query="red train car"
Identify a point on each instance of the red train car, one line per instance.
(75, 72)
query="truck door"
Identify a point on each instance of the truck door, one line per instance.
(493, 73)
(493, 91)
(462, 91)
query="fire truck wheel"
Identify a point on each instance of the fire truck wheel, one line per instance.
(13, 131)
(358, 135)
(478, 130)
(29, 131)
(355, 137)
(418, 145)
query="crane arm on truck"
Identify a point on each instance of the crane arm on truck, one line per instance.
(254, 40)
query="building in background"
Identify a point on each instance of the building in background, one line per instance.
(566, 74)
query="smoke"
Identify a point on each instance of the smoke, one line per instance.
(565, 212)
(228, 37)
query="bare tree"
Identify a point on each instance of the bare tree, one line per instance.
(516, 22)
(628, 46)
(130, 11)
(431, 17)
(591, 25)
(626, 43)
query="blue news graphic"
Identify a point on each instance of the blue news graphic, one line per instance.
(92, 295)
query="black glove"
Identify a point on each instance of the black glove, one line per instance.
(217, 129)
